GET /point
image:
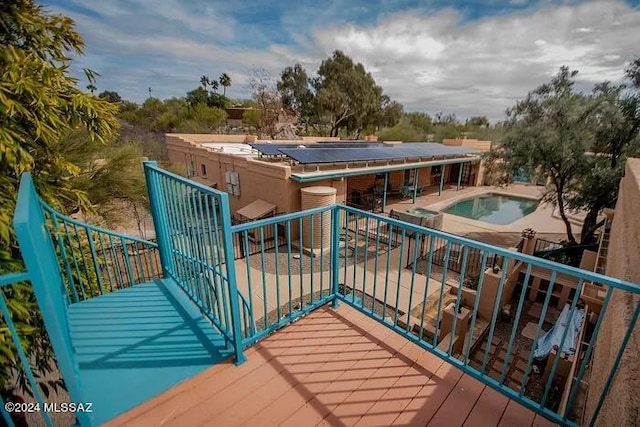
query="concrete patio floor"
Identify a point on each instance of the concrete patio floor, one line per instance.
(545, 219)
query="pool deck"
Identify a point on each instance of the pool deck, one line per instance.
(545, 219)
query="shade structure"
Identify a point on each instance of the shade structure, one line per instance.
(256, 209)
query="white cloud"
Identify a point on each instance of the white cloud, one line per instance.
(439, 62)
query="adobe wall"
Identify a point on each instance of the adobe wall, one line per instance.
(257, 179)
(476, 144)
(211, 137)
(622, 405)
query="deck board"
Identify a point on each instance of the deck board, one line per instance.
(336, 368)
(133, 344)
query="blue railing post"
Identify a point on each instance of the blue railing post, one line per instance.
(158, 213)
(234, 303)
(335, 253)
(40, 259)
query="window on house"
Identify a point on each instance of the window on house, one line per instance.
(203, 168)
(190, 169)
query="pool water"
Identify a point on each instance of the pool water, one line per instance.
(493, 208)
(426, 213)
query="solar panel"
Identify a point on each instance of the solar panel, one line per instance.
(387, 152)
(328, 155)
(270, 149)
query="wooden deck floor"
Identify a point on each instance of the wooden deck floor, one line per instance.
(337, 368)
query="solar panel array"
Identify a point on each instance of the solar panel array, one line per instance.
(387, 152)
(340, 152)
(269, 149)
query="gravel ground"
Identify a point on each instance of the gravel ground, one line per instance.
(301, 262)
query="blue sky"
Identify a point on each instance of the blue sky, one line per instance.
(466, 57)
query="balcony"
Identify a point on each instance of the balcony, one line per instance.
(333, 367)
(333, 314)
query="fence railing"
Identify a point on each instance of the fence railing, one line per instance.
(193, 224)
(546, 245)
(498, 334)
(482, 308)
(486, 315)
(284, 281)
(94, 261)
(20, 355)
(563, 254)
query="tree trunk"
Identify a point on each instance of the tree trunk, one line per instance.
(563, 215)
(590, 226)
(334, 130)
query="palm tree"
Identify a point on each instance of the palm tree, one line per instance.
(214, 85)
(225, 81)
(204, 81)
(92, 88)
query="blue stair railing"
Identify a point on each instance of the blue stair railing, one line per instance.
(95, 261)
(67, 261)
(192, 223)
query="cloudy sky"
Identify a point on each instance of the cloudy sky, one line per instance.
(474, 58)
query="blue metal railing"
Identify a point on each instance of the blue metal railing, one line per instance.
(193, 225)
(95, 261)
(388, 270)
(410, 278)
(67, 261)
(466, 301)
(19, 356)
(285, 281)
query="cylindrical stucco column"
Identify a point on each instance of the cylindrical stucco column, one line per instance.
(315, 197)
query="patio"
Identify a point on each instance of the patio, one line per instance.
(545, 220)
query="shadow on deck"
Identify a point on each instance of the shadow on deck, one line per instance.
(138, 342)
(333, 368)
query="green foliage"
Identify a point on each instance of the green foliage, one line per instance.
(155, 117)
(419, 127)
(549, 133)
(577, 141)
(200, 96)
(197, 96)
(405, 130)
(295, 92)
(343, 97)
(111, 96)
(39, 106)
(479, 121)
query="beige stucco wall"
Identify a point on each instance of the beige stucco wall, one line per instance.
(476, 144)
(622, 406)
(257, 179)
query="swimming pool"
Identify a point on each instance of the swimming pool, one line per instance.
(493, 208)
